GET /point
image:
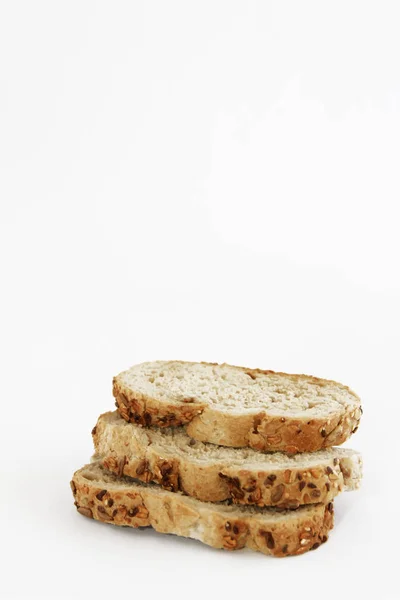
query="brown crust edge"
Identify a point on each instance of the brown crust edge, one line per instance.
(176, 514)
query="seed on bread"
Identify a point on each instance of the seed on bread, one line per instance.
(277, 492)
(143, 466)
(269, 539)
(86, 512)
(101, 494)
(230, 542)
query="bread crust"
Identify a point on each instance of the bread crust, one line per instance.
(135, 505)
(259, 430)
(213, 480)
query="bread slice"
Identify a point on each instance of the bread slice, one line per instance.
(236, 406)
(212, 473)
(103, 496)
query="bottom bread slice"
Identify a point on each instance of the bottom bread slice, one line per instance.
(124, 501)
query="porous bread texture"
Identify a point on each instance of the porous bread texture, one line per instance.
(239, 407)
(124, 501)
(212, 473)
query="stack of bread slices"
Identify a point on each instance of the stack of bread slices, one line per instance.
(231, 456)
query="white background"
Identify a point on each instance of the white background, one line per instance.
(210, 181)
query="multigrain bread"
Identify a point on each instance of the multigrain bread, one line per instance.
(124, 501)
(239, 407)
(213, 473)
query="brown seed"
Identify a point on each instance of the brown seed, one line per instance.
(329, 470)
(114, 512)
(277, 492)
(142, 467)
(335, 461)
(311, 485)
(101, 495)
(101, 509)
(316, 493)
(188, 400)
(123, 411)
(142, 513)
(234, 482)
(256, 497)
(94, 430)
(192, 442)
(330, 507)
(287, 475)
(230, 542)
(250, 488)
(235, 529)
(121, 465)
(269, 539)
(324, 539)
(323, 432)
(299, 476)
(124, 399)
(302, 485)
(285, 548)
(346, 472)
(109, 502)
(73, 487)
(237, 494)
(328, 487)
(274, 440)
(132, 512)
(270, 479)
(315, 546)
(166, 468)
(147, 418)
(228, 526)
(86, 512)
(110, 463)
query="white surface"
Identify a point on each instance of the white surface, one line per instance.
(206, 181)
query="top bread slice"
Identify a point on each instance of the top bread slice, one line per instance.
(238, 406)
